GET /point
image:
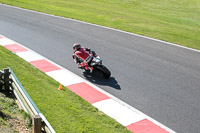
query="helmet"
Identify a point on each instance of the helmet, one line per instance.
(76, 46)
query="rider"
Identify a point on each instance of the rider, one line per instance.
(82, 56)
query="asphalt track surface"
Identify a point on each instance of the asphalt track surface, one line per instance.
(161, 80)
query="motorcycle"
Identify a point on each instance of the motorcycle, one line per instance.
(95, 66)
(99, 68)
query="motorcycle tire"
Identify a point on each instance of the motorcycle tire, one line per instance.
(106, 72)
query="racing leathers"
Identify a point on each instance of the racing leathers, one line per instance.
(82, 57)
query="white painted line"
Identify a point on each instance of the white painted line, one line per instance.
(121, 113)
(65, 77)
(6, 41)
(168, 43)
(29, 56)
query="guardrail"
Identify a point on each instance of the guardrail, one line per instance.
(10, 84)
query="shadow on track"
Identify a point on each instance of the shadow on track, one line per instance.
(101, 81)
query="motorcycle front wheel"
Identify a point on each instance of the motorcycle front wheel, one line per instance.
(106, 72)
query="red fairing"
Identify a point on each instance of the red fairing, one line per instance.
(82, 53)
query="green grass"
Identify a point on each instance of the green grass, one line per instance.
(176, 21)
(65, 111)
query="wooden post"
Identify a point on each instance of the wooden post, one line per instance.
(37, 124)
(7, 81)
(1, 81)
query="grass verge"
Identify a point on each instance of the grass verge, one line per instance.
(169, 20)
(66, 111)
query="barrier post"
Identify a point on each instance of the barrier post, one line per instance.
(36, 124)
(1, 81)
(7, 81)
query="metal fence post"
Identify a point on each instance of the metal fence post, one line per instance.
(36, 124)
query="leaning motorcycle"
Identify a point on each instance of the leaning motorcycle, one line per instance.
(96, 66)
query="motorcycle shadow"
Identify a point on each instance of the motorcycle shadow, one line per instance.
(112, 82)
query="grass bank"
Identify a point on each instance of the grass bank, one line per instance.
(176, 21)
(66, 111)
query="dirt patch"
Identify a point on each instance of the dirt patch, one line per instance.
(12, 119)
(18, 124)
